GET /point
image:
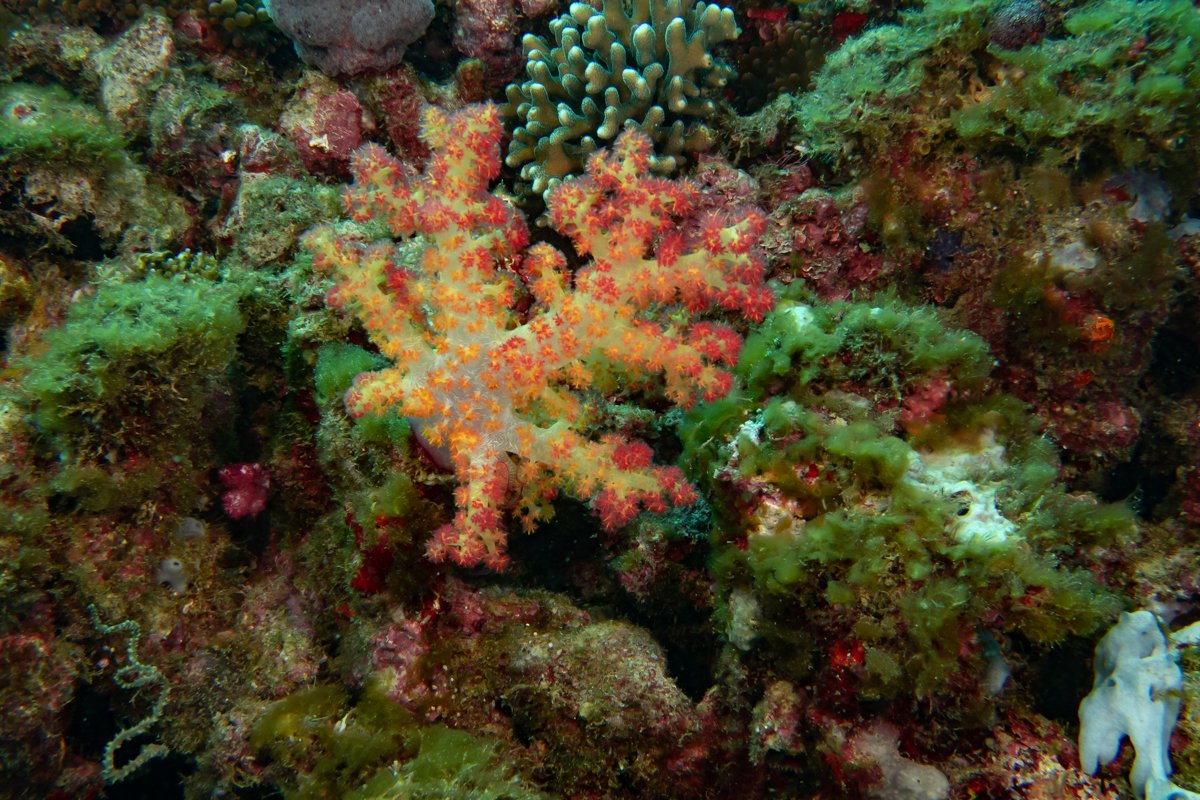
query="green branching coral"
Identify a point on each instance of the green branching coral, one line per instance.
(646, 65)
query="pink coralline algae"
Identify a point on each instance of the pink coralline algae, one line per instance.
(36, 680)
(1191, 503)
(325, 123)
(487, 29)
(824, 244)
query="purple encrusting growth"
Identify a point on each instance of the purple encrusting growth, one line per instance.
(348, 37)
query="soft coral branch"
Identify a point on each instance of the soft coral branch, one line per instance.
(498, 386)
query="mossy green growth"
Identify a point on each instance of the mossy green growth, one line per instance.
(806, 341)
(449, 765)
(186, 112)
(1124, 77)
(97, 488)
(1186, 759)
(865, 94)
(378, 509)
(337, 366)
(914, 530)
(271, 213)
(1119, 79)
(45, 123)
(322, 746)
(133, 366)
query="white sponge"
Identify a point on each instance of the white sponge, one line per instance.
(1136, 694)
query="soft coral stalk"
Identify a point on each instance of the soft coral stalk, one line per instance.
(497, 383)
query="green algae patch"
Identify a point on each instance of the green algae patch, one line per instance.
(800, 342)
(47, 123)
(864, 470)
(133, 366)
(1117, 80)
(1125, 75)
(337, 366)
(322, 745)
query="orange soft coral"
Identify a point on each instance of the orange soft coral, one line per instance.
(498, 389)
